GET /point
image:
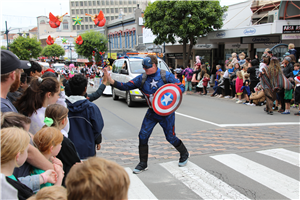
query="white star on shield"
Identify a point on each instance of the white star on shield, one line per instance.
(153, 83)
(167, 99)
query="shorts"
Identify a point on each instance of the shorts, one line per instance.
(288, 94)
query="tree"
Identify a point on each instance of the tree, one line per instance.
(186, 20)
(53, 50)
(92, 41)
(26, 48)
(3, 48)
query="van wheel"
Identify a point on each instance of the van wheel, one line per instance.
(114, 96)
(128, 100)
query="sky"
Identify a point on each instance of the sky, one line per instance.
(23, 13)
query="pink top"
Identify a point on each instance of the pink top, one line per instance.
(238, 85)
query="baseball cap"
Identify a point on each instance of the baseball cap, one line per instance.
(10, 62)
(147, 63)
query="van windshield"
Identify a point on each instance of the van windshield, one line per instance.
(136, 66)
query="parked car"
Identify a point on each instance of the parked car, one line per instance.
(133, 69)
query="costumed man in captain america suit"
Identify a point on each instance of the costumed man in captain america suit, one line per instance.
(152, 83)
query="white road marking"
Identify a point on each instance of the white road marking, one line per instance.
(284, 155)
(201, 182)
(202, 120)
(276, 181)
(243, 125)
(137, 189)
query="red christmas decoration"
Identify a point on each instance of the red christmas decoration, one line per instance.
(78, 39)
(54, 21)
(50, 40)
(99, 19)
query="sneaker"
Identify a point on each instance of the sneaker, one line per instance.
(227, 97)
(183, 160)
(239, 101)
(270, 113)
(298, 113)
(285, 113)
(212, 95)
(248, 104)
(252, 104)
(234, 98)
(275, 108)
(142, 166)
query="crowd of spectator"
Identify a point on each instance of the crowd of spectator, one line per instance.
(47, 134)
(251, 81)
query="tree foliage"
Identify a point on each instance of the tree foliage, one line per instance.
(3, 48)
(26, 48)
(186, 20)
(53, 50)
(92, 41)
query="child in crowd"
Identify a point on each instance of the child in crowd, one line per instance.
(97, 179)
(226, 80)
(218, 70)
(12, 119)
(56, 116)
(51, 193)
(258, 97)
(206, 79)
(234, 59)
(14, 146)
(86, 121)
(41, 93)
(48, 141)
(297, 93)
(288, 95)
(242, 58)
(238, 86)
(188, 73)
(246, 91)
(220, 87)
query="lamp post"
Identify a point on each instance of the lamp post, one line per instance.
(7, 31)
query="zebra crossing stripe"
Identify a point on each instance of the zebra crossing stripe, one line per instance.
(284, 155)
(201, 182)
(276, 181)
(137, 189)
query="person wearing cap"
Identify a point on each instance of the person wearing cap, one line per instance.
(10, 77)
(154, 80)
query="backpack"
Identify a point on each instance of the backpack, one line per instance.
(188, 74)
(144, 78)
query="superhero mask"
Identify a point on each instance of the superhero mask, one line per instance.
(147, 63)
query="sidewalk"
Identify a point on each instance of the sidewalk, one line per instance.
(230, 139)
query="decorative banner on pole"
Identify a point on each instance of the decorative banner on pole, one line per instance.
(99, 19)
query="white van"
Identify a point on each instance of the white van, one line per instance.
(134, 68)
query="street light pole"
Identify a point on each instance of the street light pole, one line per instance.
(6, 32)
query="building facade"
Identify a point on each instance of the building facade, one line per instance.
(110, 8)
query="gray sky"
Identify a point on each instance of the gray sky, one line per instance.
(23, 13)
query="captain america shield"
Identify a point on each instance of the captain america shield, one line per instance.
(166, 99)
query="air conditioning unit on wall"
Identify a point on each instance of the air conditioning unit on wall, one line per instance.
(272, 16)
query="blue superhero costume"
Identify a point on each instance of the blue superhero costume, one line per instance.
(150, 86)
